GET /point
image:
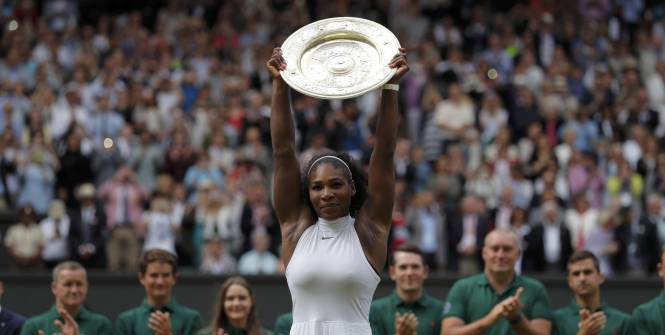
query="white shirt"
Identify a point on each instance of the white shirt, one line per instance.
(331, 281)
(252, 263)
(160, 234)
(55, 245)
(429, 240)
(581, 223)
(552, 242)
(470, 224)
(503, 214)
(24, 240)
(454, 115)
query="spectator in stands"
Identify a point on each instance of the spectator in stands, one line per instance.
(7, 174)
(158, 225)
(255, 150)
(106, 161)
(36, 182)
(25, 241)
(70, 288)
(67, 110)
(581, 220)
(409, 310)
(648, 317)
(603, 242)
(146, 159)
(221, 154)
(56, 231)
(258, 214)
(124, 198)
(424, 219)
(216, 257)
(105, 122)
(500, 216)
(454, 115)
(466, 229)
(492, 117)
(523, 305)
(88, 229)
(180, 155)
(11, 121)
(10, 322)
(258, 260)
(587, 313)
(651, 233)
(159, 313)
(548, 245)
(75, 167)
(521, 228)
(203, 171)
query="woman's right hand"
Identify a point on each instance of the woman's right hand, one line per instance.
(276, 63)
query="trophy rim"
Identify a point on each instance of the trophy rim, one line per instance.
(290, 76)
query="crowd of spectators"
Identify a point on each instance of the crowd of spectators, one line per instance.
(121, 136)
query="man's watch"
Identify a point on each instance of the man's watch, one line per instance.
(517, 319)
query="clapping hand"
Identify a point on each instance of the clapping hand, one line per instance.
(512, 305)
(160, 323)
(69, 327)
(591, 323)
(406, 324)
(510, 308)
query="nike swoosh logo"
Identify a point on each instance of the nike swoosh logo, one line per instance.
(327, 238)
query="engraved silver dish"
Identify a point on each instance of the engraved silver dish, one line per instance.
(339, 58)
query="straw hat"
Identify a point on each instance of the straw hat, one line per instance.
(57, 209)
(86, 190)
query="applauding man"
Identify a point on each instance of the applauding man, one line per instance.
(68, 316)
(649, 318)
(159, 314)
(586, 314)
(498, 301)
(409, 310)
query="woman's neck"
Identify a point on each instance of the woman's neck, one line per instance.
(239, 323)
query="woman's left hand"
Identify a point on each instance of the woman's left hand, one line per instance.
(399, 62)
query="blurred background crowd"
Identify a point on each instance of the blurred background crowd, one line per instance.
(130, 126)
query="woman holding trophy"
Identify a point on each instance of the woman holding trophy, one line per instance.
(334, 220)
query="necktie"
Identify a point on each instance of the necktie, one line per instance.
(125, 205)
(580, 238)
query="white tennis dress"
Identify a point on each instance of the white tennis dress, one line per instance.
(331, 281)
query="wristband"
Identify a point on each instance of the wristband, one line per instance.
(392, 87)
(517, 319)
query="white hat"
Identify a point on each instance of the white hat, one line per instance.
(86, 190)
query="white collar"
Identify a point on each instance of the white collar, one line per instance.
(334, 226)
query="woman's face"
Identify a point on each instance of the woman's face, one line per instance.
(237, 303)
(330, 191)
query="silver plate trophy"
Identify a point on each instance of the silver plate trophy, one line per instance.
(339, 58)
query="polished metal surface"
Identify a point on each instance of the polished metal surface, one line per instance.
(339, 58)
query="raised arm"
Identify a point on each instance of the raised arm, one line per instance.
(287, 195)
(381, 174)
(375, 216)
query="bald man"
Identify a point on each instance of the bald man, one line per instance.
(498, 301)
